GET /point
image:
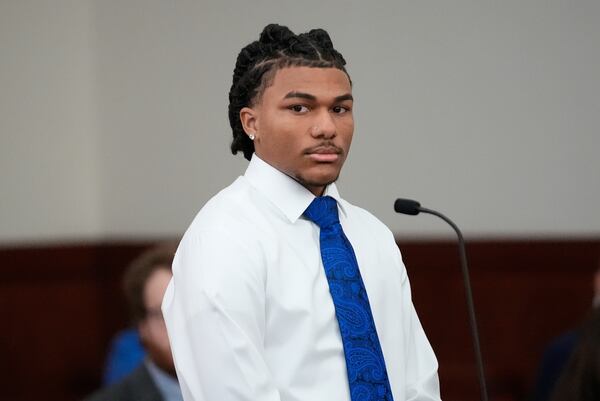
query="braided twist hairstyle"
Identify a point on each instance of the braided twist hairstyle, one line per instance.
(255, 68)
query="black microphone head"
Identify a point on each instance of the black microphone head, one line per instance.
(407, 206)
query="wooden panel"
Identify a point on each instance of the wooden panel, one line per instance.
(525, 292)
(61, 305)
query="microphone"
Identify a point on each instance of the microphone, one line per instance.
(412, 207)
(407, 206)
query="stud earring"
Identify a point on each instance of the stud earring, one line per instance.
(251, 137)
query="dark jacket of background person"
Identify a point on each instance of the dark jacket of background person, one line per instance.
(555, 358)
(580, 381)
(137, 386)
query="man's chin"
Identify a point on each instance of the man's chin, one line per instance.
(311, 182)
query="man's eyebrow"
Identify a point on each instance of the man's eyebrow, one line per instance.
(341, 98)
(302, 95)
(308, 96)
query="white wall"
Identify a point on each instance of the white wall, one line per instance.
(485, 111)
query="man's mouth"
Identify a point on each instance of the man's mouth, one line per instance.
(324, 153)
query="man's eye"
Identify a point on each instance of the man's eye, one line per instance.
(340, 109)
(298, 108)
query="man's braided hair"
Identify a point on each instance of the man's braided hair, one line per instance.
(255, 68)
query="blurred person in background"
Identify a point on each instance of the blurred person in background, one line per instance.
(145, 282)
(557, 353)
(580, 380)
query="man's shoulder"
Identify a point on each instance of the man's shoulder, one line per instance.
(229, 204)
(137, 386)
(234, 214)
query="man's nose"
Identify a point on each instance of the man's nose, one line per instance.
(324, 125)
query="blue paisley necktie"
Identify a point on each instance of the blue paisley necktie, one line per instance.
(365, 365)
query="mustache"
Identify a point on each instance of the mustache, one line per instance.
(324, 148)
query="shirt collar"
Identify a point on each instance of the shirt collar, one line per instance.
(287, 194)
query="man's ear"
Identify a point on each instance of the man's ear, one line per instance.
(249, 119)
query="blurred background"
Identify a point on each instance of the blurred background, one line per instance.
(114, 133)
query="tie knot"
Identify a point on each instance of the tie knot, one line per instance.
(323, 212)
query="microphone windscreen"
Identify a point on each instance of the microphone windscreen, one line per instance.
(407, 206)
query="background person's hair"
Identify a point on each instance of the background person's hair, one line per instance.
(278, 47)
(580, 379)
(137, 274)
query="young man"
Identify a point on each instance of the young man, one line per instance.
(282, 290)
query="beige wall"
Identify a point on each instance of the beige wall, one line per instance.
(48, 130)
(115, 125)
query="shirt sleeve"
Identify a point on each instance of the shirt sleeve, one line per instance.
(422, 382)
(214, 309)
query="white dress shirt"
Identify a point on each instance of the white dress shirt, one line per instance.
(248, 310)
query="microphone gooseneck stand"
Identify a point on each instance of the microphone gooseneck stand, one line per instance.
(411, 207)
